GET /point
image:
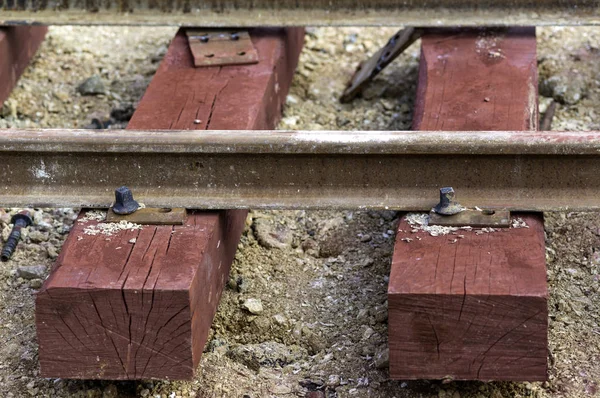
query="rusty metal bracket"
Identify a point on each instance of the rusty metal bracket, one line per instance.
(370, 68)
(221, 47)
(472, 218)
(150, 216)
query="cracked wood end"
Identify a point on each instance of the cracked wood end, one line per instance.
(472, 308)
(139, 304)
(136, 304)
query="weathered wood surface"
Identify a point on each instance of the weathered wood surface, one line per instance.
(475, 80)
(139, 304)
(221, 98)
(18, 44)
(475, 307)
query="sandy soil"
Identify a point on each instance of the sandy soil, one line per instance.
(321, 276)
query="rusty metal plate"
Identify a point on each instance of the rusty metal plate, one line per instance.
(472, 218)
(370, 68)
(221, 47)
(151, 216)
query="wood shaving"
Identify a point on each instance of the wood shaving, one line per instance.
(420, 221)
(94, 215)
(518, 223)
(109, 229)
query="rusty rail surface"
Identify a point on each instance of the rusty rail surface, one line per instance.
(533, 171)
(221, 13)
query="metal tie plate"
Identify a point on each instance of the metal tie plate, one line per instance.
(472, 218)
(150, 216)
(221, 47)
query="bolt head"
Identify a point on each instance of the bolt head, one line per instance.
(124, 203)
(447, 205)
(447, 193)
(24, 215)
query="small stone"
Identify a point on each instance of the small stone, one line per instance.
(35, 283)
(92, 86)
(94, 393)
(380, 313)
(333, 381)
(197, 121)
(387, 104)
(218, 345)
(280, 319)
(368, 333)
(243, 284)
(144, 393)
(363, 314)
(62, 96)
(366, 238)
(38, 236)
(9, 108)
(291, 99)
(30, 272)
(111, 391)
(290, 120)
(272, 234)
(232, 283)
(254, 306)
(310, 247)
(52, 252)
(566, 88)
(382, 359)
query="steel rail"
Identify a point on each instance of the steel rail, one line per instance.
(227, 13)
(533, 171)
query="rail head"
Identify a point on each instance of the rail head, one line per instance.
(248, 13)
(302, 142)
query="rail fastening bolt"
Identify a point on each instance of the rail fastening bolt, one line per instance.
(447, 205)
(20, 220)
(124, 203)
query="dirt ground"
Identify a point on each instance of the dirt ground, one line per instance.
(321, 276)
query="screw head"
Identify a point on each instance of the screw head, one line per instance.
(447, 205)
(124, 203)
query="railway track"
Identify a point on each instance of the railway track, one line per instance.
(208, 164)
